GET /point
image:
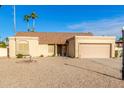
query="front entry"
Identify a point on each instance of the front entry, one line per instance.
(61, 50)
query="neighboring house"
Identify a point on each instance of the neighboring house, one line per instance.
(119, 44)
(3, 50)
(80, 45)
(118, 49)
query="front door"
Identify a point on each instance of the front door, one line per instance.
(59, 50)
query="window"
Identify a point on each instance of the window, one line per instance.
(23, 48)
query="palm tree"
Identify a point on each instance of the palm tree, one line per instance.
(27, 19)
(33, 16)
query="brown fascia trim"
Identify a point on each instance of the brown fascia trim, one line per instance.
(70, 38)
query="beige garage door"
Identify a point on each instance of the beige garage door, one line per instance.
(94, 50)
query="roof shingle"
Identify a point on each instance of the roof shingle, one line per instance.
(52, 37)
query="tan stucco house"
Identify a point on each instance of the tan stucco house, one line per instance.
(79, 45)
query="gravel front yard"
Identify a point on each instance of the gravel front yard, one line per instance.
(60, 72)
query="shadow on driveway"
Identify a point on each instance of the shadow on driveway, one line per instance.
(105, 65)
(92, 71)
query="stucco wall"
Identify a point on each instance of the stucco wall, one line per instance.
(74, 43)
(35, 49)
(51, 50)
(3, 52)
(12, 47)
(97, 40)
(71, 48)
(43, 50)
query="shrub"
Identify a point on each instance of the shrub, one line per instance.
(41, 55)
(3, 45)
(19, 56)
(116, 53)
(121, 54)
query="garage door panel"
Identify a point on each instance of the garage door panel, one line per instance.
(94, 50)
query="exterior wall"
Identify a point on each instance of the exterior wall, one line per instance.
(92, 39)
(35, 50)
(51, 50)
(3, 52)
(43, 50)
(95, 39)
(71, 48)
(12, 47)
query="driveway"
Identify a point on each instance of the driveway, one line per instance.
(60, 72)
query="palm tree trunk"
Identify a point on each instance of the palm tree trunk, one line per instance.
(28, 27)
(33, 25)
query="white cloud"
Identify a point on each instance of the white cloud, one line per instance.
(110, 27)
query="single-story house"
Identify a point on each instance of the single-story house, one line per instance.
(79, 45)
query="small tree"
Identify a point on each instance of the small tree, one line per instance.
(3, 45)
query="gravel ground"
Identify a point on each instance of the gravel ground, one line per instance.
(60, 72)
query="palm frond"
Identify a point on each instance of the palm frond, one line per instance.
(34, 15)
(27, 17)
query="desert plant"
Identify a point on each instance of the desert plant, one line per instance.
(121, 55)
(116, 53)
(41, 55)
(19, 55)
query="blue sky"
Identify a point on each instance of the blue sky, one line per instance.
(100, 20)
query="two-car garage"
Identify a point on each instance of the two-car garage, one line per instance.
(92, 46)
(94, 50)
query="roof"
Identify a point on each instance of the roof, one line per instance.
(52, 37)
(119, 41)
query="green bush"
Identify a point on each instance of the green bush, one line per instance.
(19, 56)
(3, 45)
(116, 53)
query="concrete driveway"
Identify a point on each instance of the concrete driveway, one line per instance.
(60, 72)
